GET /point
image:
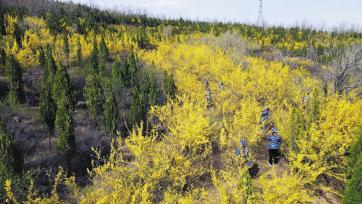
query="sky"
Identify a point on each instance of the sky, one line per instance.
(319, 13)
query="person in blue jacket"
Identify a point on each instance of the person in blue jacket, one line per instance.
(274, 142)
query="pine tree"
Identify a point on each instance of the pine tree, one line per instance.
(16, 87)
(79, 53)
(94, 95)
(66, 48)
(168, 86)
(111, 115)
(64, 126)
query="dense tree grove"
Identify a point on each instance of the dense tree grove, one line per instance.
(125, 98)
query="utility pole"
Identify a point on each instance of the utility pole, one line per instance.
(260, 21)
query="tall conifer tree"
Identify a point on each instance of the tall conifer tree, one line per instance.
(64, 123)
(16, 86)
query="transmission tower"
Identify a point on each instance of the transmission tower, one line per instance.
(260, 21)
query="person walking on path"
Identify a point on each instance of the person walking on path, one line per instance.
(274, 142)
(209, 99)
(243, 151)
(264, 118)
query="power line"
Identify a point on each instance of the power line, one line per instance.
(260, 21)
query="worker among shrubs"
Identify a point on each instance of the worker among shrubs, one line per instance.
(274, 142)
(243, 151)
(265, 118)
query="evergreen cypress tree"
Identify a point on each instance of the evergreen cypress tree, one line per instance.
(42, 59)
(62, 87)
(168, 86)
(142, 39)
(94, 57)
(111, 115)
(11, 159)
(103, 55)
(314, 109)
(296, 129)
(103, 50)
(353, 190)
(2, 57)
(17, 35)
(149, 89)
(16, 87)
(51, 68)
(2, 25)
(356, 149)
(315, 106)
(64, 124)
(94, 96)
(116, 80)
(65, 128)
(66, 48)
(137, 109)
(125, 74)
(53, 23)
(132, 69)
(153, 94)
(79, 53)
(48, 110)
(47, 103)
